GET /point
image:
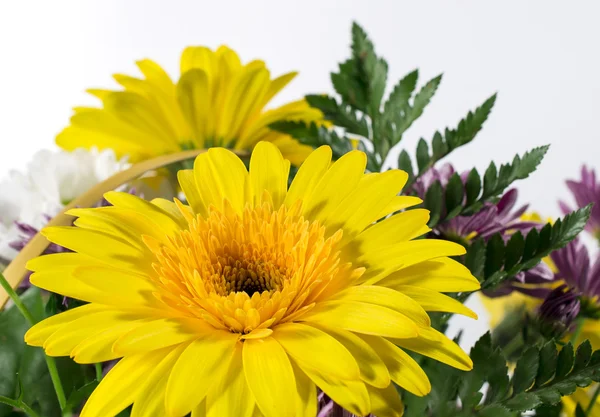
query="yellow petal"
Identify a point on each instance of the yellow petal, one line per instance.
(151, 398)
(441, 274)
(268, 171)
(301, 342)
(403, 369)
(60, 261)
(372, 194)
(187, 181)
(335, 185)
(386, 297)
(64, 340)
(384, 261)
(372, 369)
(162, 219)
(100, 246)
(309, 174)
(386, 402)
(398, 203)
(121, 386)
(98, 347)
(171, 208)
(270, 377)
(160, 333)
(398, 228)
(191, 378)
(362, 318)
(351, 395)
(437, 346)
(193, 95)
(432, 300)
(230, 395)
(37, 335)
(306, 404)
(219, 175)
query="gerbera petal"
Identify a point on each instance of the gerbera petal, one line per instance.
(64, 260)
(441, 274)
(268, 172)
(372, 369)
(64, 340)
(173, 210)
(398, 203)
(372, 194)
(309, 174)
(362, 318)
(306, 404)
(161, 218)
(187, 181)
(120, 387)
(38, 333)
(230, 395)
(402, 255)
(270, 377)
(403, 369)
(98, 347)
(436, 345)
(231, 176)
(352, 395)
(160, 333)
(386, 297)
(335, 185)
(99, 245)
(315, 349)
(385, 402)
(432, 300)
(151, 398)
(202, 363)
(398, 228)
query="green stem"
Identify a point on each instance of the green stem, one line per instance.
(577, 332)
(588, 410)
(50, 362)
(20, 405)
(98, 372)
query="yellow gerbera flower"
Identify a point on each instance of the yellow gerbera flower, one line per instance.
(216, 102)
(248, 299)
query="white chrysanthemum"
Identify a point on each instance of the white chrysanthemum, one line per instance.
(52, 179)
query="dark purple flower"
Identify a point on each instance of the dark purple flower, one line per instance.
(575, 268)
(558, 311)
(586, 191)
(430, 176)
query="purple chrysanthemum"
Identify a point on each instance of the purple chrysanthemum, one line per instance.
(558, 311)
(575, 268)
(586, 191)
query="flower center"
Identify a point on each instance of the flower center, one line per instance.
(249, 271)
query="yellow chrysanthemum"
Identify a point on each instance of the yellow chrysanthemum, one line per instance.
(248, 299)
(217, 101)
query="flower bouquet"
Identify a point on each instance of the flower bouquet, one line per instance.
(192, 252)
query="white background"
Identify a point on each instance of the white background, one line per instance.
(541, 56)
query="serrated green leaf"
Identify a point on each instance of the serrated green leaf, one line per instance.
(405, 164)
(400, 95)
(471, 125)
(472, 186)
(547, 366)
(490, 179)
(549, 396)
(434, 202)
(454, 193)
(422, 155)
(475, 258)
(565, 360)
(421, 100)
(514, 250)
(496, 410)
(583, 355)
(526, 370)
(438, 146)
(494, 256)
(532, 242)
(523, 402)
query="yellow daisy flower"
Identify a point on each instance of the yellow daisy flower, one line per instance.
(248, 299)
(217, 101)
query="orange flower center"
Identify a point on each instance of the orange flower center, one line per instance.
(247, 272)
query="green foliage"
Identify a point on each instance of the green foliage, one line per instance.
(359, 109)
(494, 261)
(470, 198)
(24, 369)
